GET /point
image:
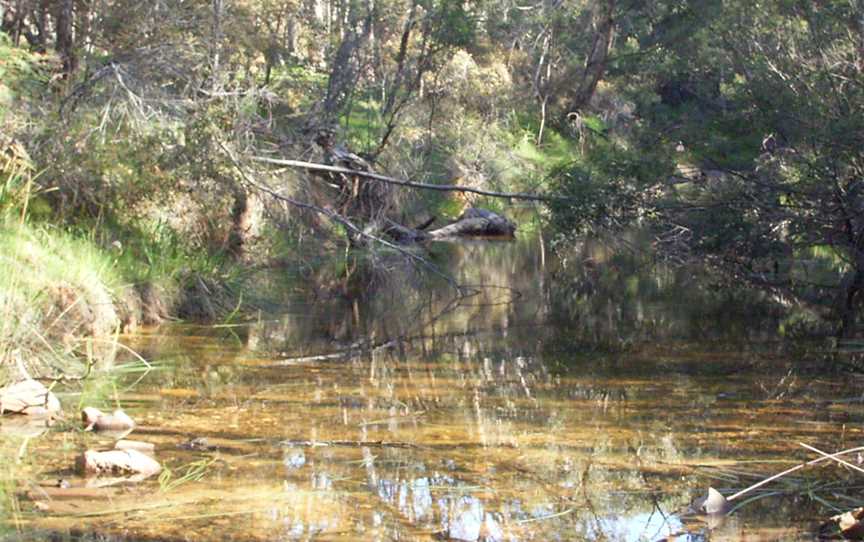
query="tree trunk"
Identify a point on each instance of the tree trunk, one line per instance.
(851, 288)
(343, 74)
(245, 222)
(65, 44)
(595, 65)
(216, 44)
(40, 42)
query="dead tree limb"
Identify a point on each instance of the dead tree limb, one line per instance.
(411, 184)
(338, 219)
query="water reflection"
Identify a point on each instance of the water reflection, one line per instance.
(590, 407)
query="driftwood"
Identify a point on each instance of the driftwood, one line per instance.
(347, 443)
(474, 222)
(369, 200)
(334, 217)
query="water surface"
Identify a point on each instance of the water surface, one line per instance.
(537, 403)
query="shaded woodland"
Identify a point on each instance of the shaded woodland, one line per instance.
(462, 269)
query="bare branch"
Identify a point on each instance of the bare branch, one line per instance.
(411, 184)
(338, 219)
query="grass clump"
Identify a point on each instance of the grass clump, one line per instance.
(55, 291)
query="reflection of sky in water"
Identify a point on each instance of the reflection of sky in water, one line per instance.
(636, 528)
(294, 459)
(465, 517)
(495, 423)
(440, 502)
(470, 522)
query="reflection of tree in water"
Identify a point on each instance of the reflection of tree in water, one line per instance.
(376, 299)
(597, 295)
(613, 297)
(500, 426)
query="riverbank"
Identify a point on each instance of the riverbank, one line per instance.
(64, 297)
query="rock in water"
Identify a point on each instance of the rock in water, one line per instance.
(97, 420)
(713, 504)
(118, 462)
(28, 397)
(851, 524)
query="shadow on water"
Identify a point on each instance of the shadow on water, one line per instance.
(589, 399)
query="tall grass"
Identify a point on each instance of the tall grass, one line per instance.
(54, 290)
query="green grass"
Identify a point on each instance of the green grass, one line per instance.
(363, 125)
(48, 279)
(37, 255)
(554, 150)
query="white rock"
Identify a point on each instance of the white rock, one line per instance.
(28, 397)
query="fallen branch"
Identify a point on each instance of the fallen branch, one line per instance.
(337, 218)
(793, 469)
(411, 184)
(350, 352)
(826, 455)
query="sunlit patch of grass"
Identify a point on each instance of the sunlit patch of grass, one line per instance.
(191, 472)
(554, 150)
(363, 125)
(49, 280)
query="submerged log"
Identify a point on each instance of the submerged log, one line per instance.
(140, 446)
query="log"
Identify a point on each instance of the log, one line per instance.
(476, 222)
(473, 222)
(426, 223)
(403, 234)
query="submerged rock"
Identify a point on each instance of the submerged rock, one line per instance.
(198, 444)
(851, 524)
(714, 503)
(28, 397)
(96, 420)
(118, 462)
(24, 426)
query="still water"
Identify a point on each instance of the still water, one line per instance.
(586, 399)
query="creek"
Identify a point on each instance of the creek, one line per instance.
(540, 404)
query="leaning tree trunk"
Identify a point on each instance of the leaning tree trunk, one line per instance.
(595, 65)
(345, 66)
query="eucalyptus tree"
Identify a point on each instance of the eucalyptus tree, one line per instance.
(763, 103)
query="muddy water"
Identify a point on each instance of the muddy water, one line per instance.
(535, 404)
